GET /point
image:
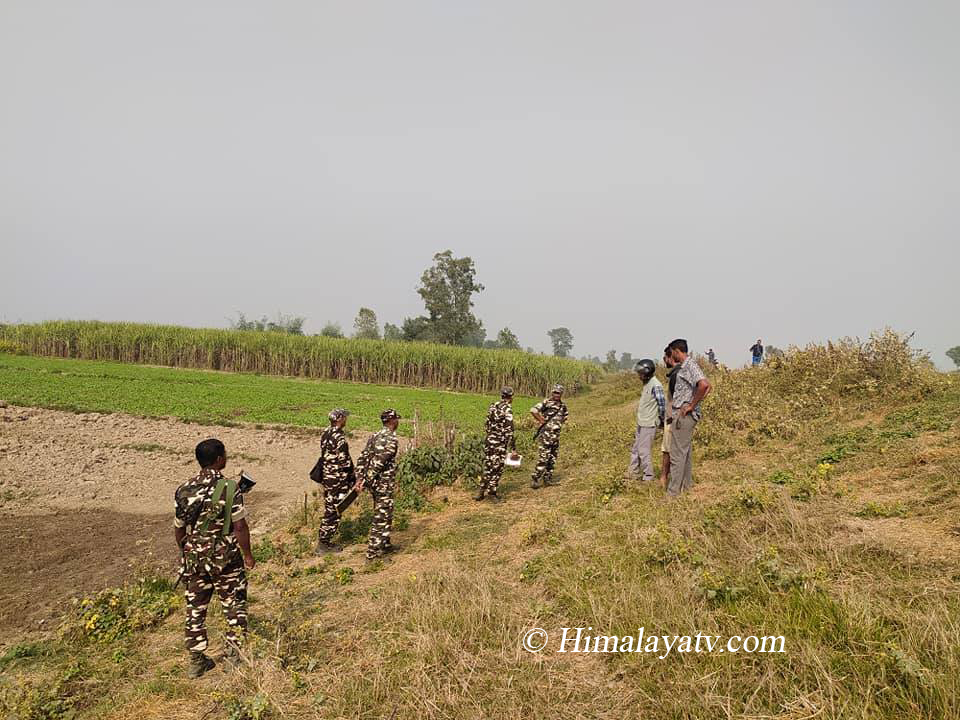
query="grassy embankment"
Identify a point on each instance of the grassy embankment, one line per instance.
(223, 398)
(369, 361)
(825, 511)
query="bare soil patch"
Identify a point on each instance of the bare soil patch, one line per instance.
(87, 498)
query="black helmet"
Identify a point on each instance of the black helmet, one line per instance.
(645, 368)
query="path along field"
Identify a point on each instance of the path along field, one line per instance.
(825, 510)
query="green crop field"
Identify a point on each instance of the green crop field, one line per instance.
(414, 364)
(222, 398)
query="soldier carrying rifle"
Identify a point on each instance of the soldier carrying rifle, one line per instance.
(211, 530)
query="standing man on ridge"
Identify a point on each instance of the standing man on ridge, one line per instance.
(692, 387)
(499, 441)
(551, 413)
(756, 352)
(650, 412)
(672, 368)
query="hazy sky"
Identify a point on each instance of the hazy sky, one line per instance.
(636, 171)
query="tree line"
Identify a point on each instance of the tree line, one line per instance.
(447, 289)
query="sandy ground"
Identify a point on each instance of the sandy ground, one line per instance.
(85, 498)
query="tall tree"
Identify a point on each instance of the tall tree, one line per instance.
(392, 332)
(562, 340)
(506, 339)
(611, 362)
(332, 329)
(626, 361)
(365, 325)
(954, 354)
(447, 288)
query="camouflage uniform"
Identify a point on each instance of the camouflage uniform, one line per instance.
(211, 561)
(500, 440)
(549, 439)
(377, 467)
(338, 478)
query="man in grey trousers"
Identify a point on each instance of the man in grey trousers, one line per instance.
(692, 387)
(650, 412)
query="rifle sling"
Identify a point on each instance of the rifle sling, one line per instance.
(231, 489)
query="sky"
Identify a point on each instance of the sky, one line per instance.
(634, 171)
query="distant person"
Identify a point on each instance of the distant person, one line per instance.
(551, 413)
(499, 441)
(377, 471)
(712, 357)
(672, 369)
(691, 388)
(336, 475)
(756, 352)
(211, 530)
(650, 413)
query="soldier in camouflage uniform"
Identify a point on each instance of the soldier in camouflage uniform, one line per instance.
(211, 529)
(338, 478)
(551, 413)
(377, 471)
(500, 440)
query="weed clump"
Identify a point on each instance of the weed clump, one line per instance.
(111, 614)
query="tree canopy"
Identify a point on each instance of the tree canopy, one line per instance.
(562, 340)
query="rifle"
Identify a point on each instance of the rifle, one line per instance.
(348, 499)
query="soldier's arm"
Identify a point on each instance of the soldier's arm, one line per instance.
(536, 412)
(179, 522)
(386, 453)
(242, 531)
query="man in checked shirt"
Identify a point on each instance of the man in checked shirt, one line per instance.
(692, 387)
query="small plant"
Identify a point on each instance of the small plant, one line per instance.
(343, 576)
(753, 500)
(781, 477)
(805, 489)
(720, 589)
(882, 510)
(531, 569)
(265, 550)
(256, 708)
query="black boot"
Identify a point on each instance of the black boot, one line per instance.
(480, 494)
(199, 664)
(325, 546)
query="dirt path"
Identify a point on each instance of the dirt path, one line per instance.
(84, 498)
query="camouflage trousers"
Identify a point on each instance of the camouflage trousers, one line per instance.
(494, 455)
(546, 459)
(332, 495)
(382, 492)
(231, 587)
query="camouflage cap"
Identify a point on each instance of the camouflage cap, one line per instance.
(337, 414)
(506, 392)
(389, 414)
(558, 388)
